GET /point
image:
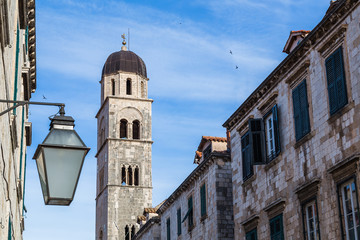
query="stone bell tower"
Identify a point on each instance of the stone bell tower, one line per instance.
(124, 186)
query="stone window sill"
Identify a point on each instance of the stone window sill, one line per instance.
(341, 112)
(304, 139)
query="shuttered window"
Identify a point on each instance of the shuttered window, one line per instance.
(272, 134)
(168, 229)
(257, 141)
(301, 111)
(246, 161)
(203, 200)
(335, 75)
(179, 221)
(251, 235)
(276, 228)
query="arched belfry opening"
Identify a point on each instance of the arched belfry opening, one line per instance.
(128, 86)
(136, 129)
(123, 128)
(136, 176)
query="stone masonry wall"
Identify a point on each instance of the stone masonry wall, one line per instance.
(332, 141)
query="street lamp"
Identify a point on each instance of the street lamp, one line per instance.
(59, 160)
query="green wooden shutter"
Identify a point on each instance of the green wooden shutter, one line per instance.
(276, 228)
(340, 78)
(335, 75)
(251, 235)
(304, 109)
(179, 221)
(191, 212)
(301, 111)
(203, 200)
(168, 229)
(274, 111)
(246, 160)
(10, 229)
(16, 64)
(257, 141)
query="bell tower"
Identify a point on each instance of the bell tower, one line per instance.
(124, 185)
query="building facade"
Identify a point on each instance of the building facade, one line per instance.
(17, 82)
(124, 185)
(201, 207)
(295, 141)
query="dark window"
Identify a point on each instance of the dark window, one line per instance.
(113, 87)
(349, 209)
(128, 86)
(335, 75)
(276, 228)
(132, 232)
(207, 151)
(203, 200)
(301, 111)
(136, 177)
(127, 234)
(257, 141)
(191, 213)
(136, 129)
(246, 161)
(168, 229)
(123, 128)
(311, 221)
(251, 235)
(178, 213)
(130, 174)
(101, 235)
(123, 176)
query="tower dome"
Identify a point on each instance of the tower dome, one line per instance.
(126, 61)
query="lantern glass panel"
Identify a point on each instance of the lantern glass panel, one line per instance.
(63, 137)
(63, 169)
(42, 176)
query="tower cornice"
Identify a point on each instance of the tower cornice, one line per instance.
(121, 140)
(122, 98)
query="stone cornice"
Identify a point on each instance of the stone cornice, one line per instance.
(147, 225)
(195, 174)
(32, 43)
(323, 29)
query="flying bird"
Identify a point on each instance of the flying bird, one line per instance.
(236, 67)
(44, 97)
(230, 52)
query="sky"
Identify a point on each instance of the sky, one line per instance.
(195, 82)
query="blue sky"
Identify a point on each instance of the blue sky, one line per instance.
(193, 81)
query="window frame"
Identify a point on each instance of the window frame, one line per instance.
(304, 205)
(274, 113)
(343, 220)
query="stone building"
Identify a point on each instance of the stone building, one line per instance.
(295, 141)
(124, 186)
(201, 207)
(17, 82)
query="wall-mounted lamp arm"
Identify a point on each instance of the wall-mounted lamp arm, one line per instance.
(22, 103)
